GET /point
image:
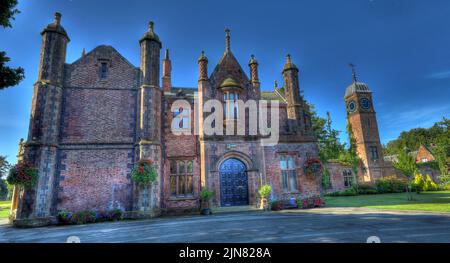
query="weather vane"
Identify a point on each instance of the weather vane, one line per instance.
(353, 71)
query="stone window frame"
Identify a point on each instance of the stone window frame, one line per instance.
(103, 65)
(374, 153)
(348, 178)
(184, 176)
(288, 172)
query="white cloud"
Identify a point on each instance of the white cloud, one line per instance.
(440, 75)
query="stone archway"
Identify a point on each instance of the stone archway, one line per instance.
(233, 182)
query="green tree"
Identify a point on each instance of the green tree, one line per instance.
(4, 168)
(407, 165)
(8, 76)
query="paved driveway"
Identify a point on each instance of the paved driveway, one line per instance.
(316, 225)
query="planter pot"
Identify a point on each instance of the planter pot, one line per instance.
(205, 211)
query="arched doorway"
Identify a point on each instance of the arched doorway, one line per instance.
(233, 183)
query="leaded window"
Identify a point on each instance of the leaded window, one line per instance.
(231, 105)
(181, 178)
(288, 173)
(348, 178)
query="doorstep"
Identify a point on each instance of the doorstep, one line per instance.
(234, 209)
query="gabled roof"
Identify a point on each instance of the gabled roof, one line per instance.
(104, 51)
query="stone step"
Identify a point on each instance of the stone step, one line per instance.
(234, 209)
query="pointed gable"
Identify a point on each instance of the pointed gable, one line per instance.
(229, 67)
(103, 67)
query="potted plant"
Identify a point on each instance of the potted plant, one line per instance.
(205, 199)
(264, 192)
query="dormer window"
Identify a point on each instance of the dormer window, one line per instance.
(231, 105)
(103, 70)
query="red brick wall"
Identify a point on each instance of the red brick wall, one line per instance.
(307, 185)
(95, 179)
(94, 115)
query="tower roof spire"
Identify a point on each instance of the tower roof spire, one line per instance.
(353, 72)
(227, 40)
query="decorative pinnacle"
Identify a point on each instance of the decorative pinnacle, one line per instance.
(288, 58)
(275, 84)
(227, 39)
(252, 60)
(353, 72)
(58, 18)
(166, 54)
(202, 57)
(150, 26)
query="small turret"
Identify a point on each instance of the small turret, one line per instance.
(167, 75)
(150, 52)
(203, 66)
(292, 89)
(53, 52)
(253, 64)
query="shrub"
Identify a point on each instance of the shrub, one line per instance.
(418, 183)
(116, 214)
(84, 217)
(391, 184)
(367, 189)
(310, 202)
(24, 174)
(264, 191)
(144, 172)
(206, 194)
(64, 217)
(277, 205)
(430, 185)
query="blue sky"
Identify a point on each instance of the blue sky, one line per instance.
(401, 49)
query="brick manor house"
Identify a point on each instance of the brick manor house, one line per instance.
(93, 119)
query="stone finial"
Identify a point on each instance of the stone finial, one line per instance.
(227, 39)
(166, 54)
(58, 18)
(150, 26)
(252, 60)
(275, 84)
(288, 58)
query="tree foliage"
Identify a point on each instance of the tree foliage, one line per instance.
(8, 76)
(7, 12)
(327, 138)
(438, 134)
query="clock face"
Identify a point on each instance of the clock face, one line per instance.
(365, 103)
(352, 106)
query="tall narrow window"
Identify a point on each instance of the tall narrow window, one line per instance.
(348, 178)
(288, 173)
(231, 105)
(181, 119)
(373, 152)
(181, 178)
(104, 70)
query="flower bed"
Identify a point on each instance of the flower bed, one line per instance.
(310, 202)
(66, 217)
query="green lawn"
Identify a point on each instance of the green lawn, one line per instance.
(4, 209)
(427, 201)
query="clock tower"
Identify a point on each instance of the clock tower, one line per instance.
(363, 124)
